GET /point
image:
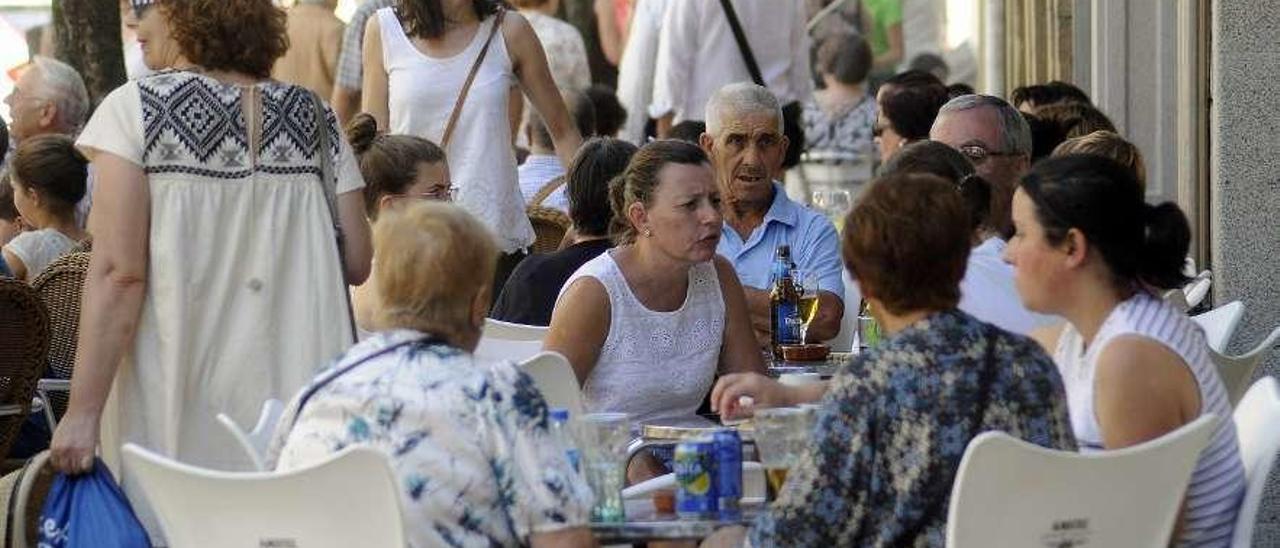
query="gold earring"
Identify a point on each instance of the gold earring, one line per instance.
(648, 233)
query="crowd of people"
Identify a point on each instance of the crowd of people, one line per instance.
(283, 209)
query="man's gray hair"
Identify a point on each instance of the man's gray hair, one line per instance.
(1014, 130)
(62, 85)
(738, 99)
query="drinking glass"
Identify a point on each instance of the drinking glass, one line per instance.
(781, 434)
(604, 438)
(808, 290)
(868, 329)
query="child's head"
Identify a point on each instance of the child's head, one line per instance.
(48, 179)
(397, 166)
(10, 221)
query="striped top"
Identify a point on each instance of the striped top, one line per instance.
(1217, 483)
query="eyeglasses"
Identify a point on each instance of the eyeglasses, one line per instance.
(438, 193)
(979, 154)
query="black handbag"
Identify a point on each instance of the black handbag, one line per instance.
(792, 113)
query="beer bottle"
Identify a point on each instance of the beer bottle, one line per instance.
(784, 303)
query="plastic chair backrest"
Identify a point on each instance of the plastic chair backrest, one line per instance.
(848, 335)
(1009, 492)
(506, 349)
(554, 377)
(1237, 371)
(254, 443)
(1198, 289)
(498, 329)
(1220, 324)
(1258, 429)
(351, 499)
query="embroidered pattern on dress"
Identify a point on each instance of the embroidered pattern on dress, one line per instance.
(195, 125)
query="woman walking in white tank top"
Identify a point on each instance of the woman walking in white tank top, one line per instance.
(417, 57)
(1089, 249)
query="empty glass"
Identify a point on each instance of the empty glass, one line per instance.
(603, 439)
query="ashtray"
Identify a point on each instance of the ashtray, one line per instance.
(812, 352)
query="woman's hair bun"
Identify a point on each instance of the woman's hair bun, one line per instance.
(361, 131)
(1166, 238)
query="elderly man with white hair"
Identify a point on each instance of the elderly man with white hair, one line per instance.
(745, 142)
(996, 138)
(49, 97)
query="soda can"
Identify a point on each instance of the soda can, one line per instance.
(728, 482)
(695, 469)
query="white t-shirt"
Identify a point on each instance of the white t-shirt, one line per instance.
(988, 294)
(37, 248)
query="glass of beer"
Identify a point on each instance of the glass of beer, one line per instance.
(781, 434)
(808, 290)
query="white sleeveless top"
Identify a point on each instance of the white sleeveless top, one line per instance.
(656, 366)
(1217, 483)
(422, 91)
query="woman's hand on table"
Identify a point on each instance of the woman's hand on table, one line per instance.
(737, 395)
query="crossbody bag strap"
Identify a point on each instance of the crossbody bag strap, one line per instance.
(333, 375)
(741, 39)
(329, 182)
(471, 76)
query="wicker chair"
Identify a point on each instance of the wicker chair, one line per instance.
(549, 224)
(24, 347)
(60, 286)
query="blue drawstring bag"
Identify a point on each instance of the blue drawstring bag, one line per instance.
(89, 510)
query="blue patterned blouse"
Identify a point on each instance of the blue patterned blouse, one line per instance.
(894, 424)
(468, 442)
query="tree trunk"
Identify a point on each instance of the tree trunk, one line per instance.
(87, 34)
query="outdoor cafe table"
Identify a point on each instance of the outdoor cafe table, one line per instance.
(824, 368)
(645, 524)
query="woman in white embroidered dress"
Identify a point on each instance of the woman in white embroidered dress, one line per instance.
(648, 325)
(215, 281)
(417, 57)
(1088, 248)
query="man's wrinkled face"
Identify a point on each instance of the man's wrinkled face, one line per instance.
(976, 133)
(30, 110)
(747, 153)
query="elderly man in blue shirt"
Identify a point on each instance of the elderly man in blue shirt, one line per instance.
(745, 142)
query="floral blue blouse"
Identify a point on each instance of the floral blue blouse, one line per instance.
(894, 424)
(469, 442)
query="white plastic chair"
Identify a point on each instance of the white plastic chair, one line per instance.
(554, 377)
(1220, 324)
(1012, 493)
(1197, 289)
(506, 349)
(848, 334)
(1236, 371)
(1258, 429)
(351, 499)
(498, 329)
(254, 443)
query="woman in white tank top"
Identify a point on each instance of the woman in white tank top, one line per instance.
(417, 57)
(1089, 249)
(648, 325)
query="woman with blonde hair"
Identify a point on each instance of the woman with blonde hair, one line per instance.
(468, 442)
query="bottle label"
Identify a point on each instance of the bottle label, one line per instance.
(786, 326)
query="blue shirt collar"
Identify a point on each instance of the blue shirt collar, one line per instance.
(783, 209)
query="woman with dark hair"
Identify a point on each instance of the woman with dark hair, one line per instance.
(47, 177)
(839, 119)
(228, 220)
(648, 325)
(531, 291)
(987, 291)
(419, 57)
(1088, 248)
(894, 422)
(395, 168)
(907, 105)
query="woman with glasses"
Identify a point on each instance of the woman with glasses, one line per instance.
(228, 220)
(396, 169)
(907, 105)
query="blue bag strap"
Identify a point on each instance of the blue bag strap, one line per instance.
(315, 387)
